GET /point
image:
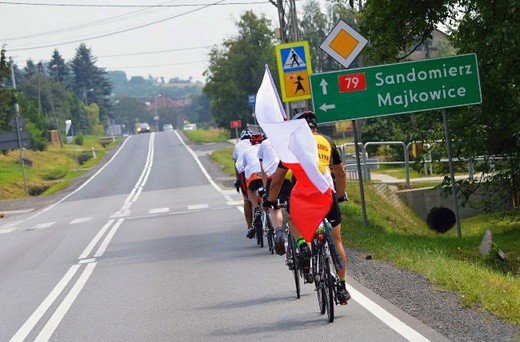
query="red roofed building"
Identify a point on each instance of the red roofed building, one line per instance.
(162, 101)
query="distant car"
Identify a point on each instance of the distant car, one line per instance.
(167, 128)
(143, 127)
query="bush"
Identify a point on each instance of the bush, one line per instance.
(78, 139)
(38, 138)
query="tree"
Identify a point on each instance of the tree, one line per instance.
(236, 70)
(58, 69)
(490, 130)
(6, 94)
(129, 110)
(90, 82)
(314, 27)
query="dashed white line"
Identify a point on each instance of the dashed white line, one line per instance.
(198, 206)
(81, 220)
(43, 225)
(158, 210)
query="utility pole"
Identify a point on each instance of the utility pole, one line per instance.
(17, 120)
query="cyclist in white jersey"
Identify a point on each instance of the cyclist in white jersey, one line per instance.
(240, 183)
(269, 163)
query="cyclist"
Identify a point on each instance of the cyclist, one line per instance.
(268, 163)
(253, 176)
(240, 183)
(328, 157)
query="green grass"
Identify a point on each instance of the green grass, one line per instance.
(209, 135)
(52, 169)
(224, 158)
(397, 235)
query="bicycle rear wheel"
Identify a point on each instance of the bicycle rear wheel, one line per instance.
(291, 257)
(259, 235)
(328, 289)
(317, 270)
(268, 227)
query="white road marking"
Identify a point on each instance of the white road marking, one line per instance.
(87, 261)
(43, 225)
(235, 202)
(12, 224)
(95, 240)
(240, 208)
(386, 317)
(81, 220)
(26, 328)
(109, 237)
(158, 210)
(60, 312)
(6, 230)
(198, 206)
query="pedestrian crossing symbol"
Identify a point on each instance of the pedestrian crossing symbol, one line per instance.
(294, 60)
(294, 68)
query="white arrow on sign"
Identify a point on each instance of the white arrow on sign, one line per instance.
(324, 107)
(323, 85)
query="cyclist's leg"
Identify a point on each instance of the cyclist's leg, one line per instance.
(254, 183)
(248, 209)
(277, 222)
(334, 217)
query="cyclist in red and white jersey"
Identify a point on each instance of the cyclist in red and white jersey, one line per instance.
(240, 183)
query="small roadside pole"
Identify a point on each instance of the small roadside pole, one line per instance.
(452, 173)
(17, 118)
(236, 124)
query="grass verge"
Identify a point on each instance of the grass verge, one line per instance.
(210, 135)
(51, 170)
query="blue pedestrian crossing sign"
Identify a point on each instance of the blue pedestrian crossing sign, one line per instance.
(294, 68)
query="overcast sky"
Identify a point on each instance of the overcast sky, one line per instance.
(171, 41)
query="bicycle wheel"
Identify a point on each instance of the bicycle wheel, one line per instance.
(329, 289)
(319, 283)
(291, 257)
(268, 227)
(259, 234)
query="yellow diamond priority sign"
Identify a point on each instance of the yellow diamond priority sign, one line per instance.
(343, 43)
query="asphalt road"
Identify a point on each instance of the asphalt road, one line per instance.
(151, 249)
(150, 246)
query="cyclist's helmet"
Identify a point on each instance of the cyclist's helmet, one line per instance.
(246, 134)
(256, 138)
(309, 116)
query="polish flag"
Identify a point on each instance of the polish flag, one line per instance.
(293, 141)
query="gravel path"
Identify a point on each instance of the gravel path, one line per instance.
(409, 291)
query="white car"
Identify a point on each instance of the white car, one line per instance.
(167, 128)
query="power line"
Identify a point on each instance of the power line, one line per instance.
(153, 52)
(129, 6)
(80, 26)
(153, 65)
(117, 32)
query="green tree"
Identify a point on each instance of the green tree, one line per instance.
(236, 69)
(58, 69)
(91, 83)
(128, 111)
(6, 94)
(490, 130)
(314, 27)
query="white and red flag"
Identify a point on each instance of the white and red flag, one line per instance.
(295, 145)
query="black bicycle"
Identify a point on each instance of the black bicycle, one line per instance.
(291, 260)
(268, 230)
(325, 257)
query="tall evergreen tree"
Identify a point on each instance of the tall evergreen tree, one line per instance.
(58, 69)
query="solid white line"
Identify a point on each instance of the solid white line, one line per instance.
(84, 184)
(387, 318)
(109, 237)
(194, 155)
(43, 225)
(58, 315)
(6, 230)
(22, 333)
(95, 240)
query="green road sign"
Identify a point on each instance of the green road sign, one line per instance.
(396, 88)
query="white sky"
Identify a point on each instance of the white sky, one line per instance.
(136, 51)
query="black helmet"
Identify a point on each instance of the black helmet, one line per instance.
(309, 116)
(246, 134)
